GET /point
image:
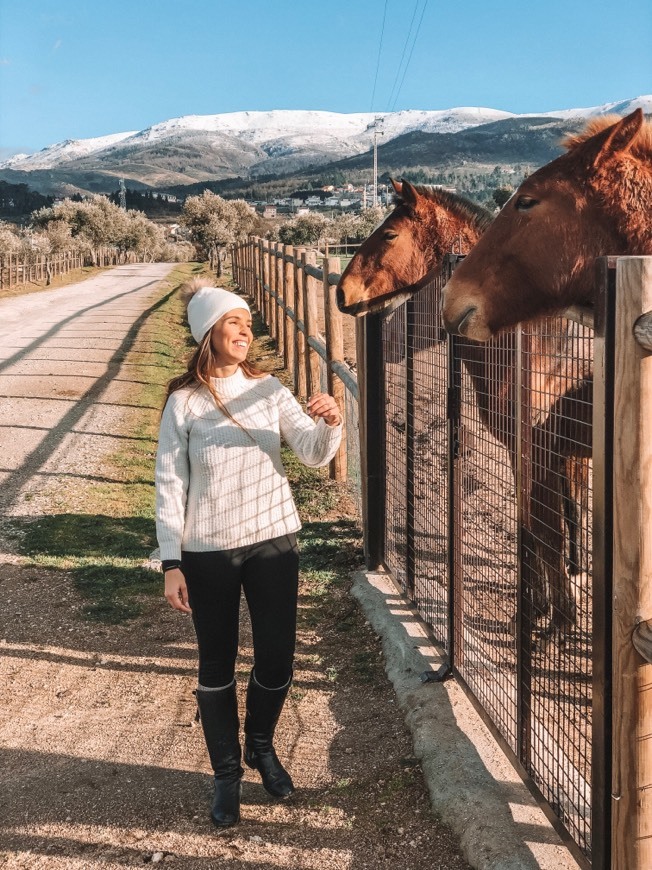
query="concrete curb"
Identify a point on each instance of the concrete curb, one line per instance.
(472, 785)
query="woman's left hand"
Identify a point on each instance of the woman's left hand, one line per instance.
(323, 405)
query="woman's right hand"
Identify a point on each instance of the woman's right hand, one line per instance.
(176, 590)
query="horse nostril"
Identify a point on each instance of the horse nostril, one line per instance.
(456, 327)
(339, 296)
(463, 320)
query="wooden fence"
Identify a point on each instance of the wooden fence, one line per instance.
(297, 302)
(15, 269)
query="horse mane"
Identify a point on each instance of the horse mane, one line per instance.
(477, 216)
(641, 147)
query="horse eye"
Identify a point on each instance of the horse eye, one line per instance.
(390, 236)
(523, 203)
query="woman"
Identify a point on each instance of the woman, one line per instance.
(226, 521)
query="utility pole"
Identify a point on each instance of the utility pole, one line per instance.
(377, 120)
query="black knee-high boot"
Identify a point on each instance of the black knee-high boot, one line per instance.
(218, 711)
(263, 710)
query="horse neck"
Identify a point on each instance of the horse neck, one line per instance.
(625, 193)
(491, 368)
(444, 233)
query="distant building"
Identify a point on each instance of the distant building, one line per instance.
(269, 211)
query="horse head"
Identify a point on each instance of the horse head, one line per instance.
(395, 261)
(392, 258)
(538, 256)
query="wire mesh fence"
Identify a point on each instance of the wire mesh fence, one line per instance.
(488, 528)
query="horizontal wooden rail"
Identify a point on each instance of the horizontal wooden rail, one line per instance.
(582, 314)
(344, 373)
(318, 346)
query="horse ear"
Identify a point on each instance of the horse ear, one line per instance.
(397, 185)
(408, 193)
(617, 139)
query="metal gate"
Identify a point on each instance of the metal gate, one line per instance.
(481, 459)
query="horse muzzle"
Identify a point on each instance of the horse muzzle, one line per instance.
(468, 323)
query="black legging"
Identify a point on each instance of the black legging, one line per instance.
(269, 574)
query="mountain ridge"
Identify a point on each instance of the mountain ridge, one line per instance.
(212, 148)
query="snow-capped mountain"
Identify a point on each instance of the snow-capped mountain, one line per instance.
(196, 148)
(69, 149)
(624, 107)
(277, 132)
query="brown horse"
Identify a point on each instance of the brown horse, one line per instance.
(398, 256)
(596, 199)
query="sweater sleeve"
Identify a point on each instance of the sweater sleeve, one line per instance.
(172, 477)
(314, 443)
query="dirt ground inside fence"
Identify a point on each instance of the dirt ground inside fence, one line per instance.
(102, 761)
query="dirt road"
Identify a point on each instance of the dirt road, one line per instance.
(60, 355)
(102, 764)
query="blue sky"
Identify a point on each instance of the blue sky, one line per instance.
(73, 69)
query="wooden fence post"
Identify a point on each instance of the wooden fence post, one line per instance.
(631, 790)
(274, 321)
(281, 327)
(271, 280)
(259, 272)
(311, 315)
(261, 275)
(253, 253)
(289, 325)
(250, 267)
(300, 386)
(267, 261)
(335, 353)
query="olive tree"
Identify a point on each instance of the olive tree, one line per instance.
(307, 229)
(215, 223)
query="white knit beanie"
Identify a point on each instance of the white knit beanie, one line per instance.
(208, 305)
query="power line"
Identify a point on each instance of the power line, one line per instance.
(416, 36)
(380, 47)
(400, 63)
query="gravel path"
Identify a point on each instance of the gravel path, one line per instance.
(102, 762)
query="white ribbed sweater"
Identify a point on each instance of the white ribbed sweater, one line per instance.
(218, 487)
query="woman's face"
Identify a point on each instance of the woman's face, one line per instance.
(231, 337)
